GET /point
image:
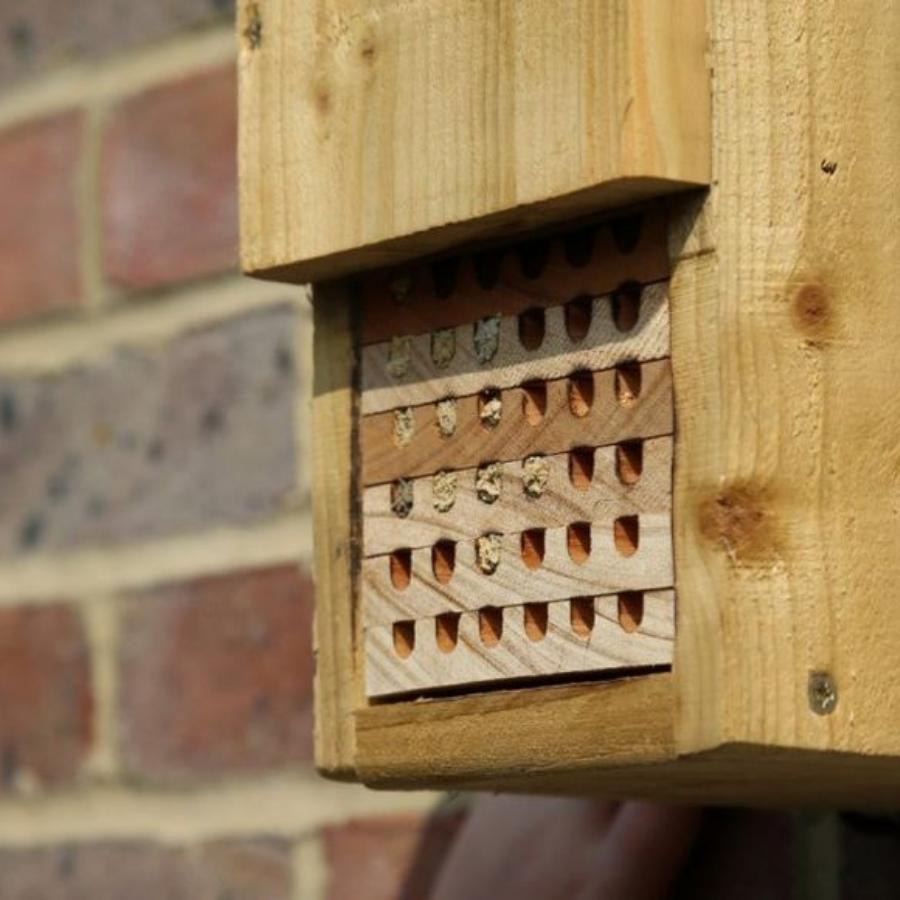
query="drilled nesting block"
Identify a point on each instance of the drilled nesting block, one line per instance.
(516, 463)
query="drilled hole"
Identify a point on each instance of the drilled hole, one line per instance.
(631, 610)
(401, 568)
(532, 545)
(626, 306)
(487, 268)
(531, 328)
(404, 638)
(490, 407)
(581, 467)
(443, 560)
(627, 535)
(446, 631)
(630, 461)
(443, 276)
(581, 393)
(581, 616)
(534, 402)
(490, 625)
(626, 232)
(533, 257)
(578, 540)
(578, 313)
(535, 620)
(628, 383)
(579, 245)
(402, 497)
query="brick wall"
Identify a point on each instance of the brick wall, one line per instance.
(155, 594)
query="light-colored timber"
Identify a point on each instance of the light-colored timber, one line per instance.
(538, 418)
(375, 131)
(605, 498)
(403, 372)
(529, 641)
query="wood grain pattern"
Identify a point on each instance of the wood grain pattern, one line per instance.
(375, 130)
(511, 279)
(387, 383)
(561, 503)
(787, 503)
(336, 532)
(605, 571)
(426, 450)
(560, 650)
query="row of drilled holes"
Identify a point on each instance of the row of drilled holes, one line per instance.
(532, 543)
(533, 256)
(534, 623)
(629, 467)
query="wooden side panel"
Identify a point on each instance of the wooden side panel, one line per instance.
(376, 130)
(785, 334)
(335, 531)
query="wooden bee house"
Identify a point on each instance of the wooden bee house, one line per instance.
(606, 482)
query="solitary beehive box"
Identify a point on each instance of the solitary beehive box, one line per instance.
(606, 484)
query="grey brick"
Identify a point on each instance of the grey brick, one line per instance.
(196, 432)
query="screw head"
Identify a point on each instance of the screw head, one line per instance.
(822, 693)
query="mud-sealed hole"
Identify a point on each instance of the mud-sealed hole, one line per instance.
(404, 634)
(446, 631)
(400, 562)
(402, 497)
(487, 552)
(490, 407)
(534, 620)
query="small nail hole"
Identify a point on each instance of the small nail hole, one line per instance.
(401, 568)
(631, 610)
(579, 245)
(626, 306)
(443, 560)
(404, 638)
(535, 620)
(578, 314)
(626, 534)
(581, 467)
(578, 540)
(533, 257)
(626, 232)
(532, 544)
(443, 277)
(490, 625)
(487, 268)
(534, 402)
(446, 631)
(630, 461)
(531, 328)
(581, 393)
(581, 616)
(628, 383)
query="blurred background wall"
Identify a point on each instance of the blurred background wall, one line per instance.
(155, 594)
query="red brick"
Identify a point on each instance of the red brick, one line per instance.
(224, 870)
(387, 857)
(39, 232)
(169, 177)
(45, 695)
(217, 675)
